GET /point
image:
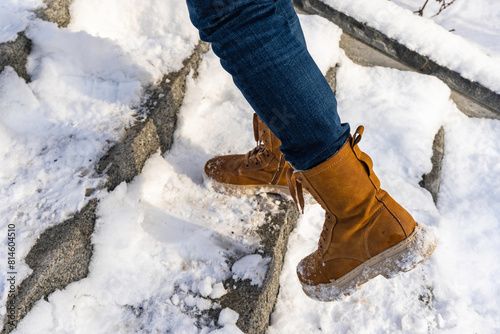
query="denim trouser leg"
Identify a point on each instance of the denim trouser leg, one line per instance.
(260, 43)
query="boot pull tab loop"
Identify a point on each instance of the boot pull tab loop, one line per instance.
(357, 135)
(300, 194)
(256, 127)
(295, 189)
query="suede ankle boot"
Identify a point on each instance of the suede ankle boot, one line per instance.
(262, 168)
(366, 233)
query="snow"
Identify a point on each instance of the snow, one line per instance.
(84, 91)
(470, 206)
(154, 259)
(428, 38)
(155, 34)
(15, 15)
(476, 21)
(252, 267)
(218, 291)
(228, 316)
(165, 243)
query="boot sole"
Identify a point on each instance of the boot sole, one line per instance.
(402, 257)
(251, 190)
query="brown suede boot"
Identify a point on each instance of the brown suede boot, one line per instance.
(366, 233)
(263, 168)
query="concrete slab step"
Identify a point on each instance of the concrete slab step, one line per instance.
(255, 304)
(370, 47)
(15, 54)
(62, 253)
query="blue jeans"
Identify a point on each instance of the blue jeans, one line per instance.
(261, 44)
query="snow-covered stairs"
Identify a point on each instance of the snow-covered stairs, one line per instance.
(15, 53)
(63, 252)
(60, 258)
(364, 43)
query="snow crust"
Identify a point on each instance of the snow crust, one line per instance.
(158, 264)
(157, 35)
(167, 225)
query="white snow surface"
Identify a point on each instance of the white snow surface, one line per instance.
(163, 243)
(430, 39)
(86, 85)
(252, 267)
(476, 21)
(15, 15)
(172, 229)
(156, 35)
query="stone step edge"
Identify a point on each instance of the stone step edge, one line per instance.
(15, 53)
(62, 253)
(255, 304)
(473, 98)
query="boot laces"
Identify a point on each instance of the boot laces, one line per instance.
(256, 155)
(325, 231)
(295, 183)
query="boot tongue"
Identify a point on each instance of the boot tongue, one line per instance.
(263, 135)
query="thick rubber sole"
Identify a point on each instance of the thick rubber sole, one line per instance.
(251, 190)
(402, 257)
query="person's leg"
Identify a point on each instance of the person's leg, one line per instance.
(285, 8)
(261, 45)
(366, 233)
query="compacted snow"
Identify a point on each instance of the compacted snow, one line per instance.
(163, 243)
